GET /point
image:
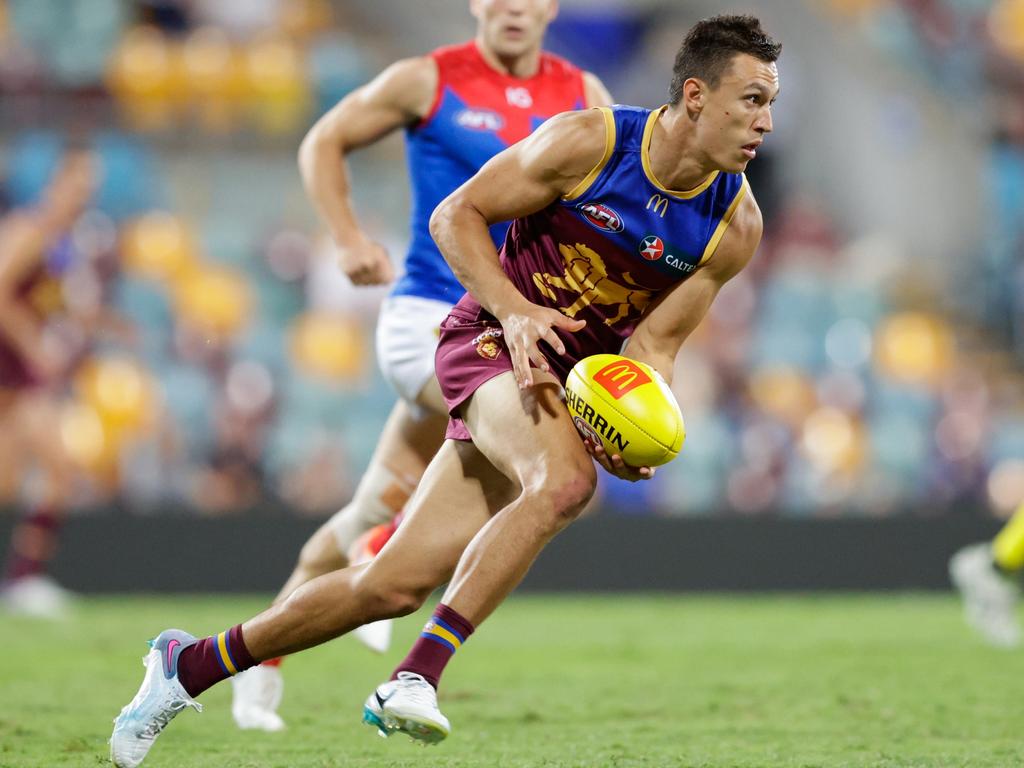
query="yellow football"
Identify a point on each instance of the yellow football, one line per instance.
(628, 407)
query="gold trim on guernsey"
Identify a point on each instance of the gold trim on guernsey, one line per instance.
(723, 225)
(609, 145)
(645, 158)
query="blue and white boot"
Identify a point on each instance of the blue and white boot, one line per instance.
(160, 698)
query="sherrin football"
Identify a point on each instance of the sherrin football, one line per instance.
(628, 407)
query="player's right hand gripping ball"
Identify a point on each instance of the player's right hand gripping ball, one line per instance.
(628, 407)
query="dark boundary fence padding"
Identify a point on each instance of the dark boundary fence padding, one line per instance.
(118, 552)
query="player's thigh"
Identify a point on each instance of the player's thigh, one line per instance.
(409, 441)
(408, 328)
(528, 434)
(457, 496)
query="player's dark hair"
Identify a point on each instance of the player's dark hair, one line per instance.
(710, 45)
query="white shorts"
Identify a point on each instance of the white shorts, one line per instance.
(407, 333)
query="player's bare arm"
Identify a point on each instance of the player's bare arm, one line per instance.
(664, 328)
(399, 96)
(525, 178)
(594, 91)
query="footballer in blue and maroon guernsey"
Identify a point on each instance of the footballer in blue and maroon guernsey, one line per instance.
(626, 224)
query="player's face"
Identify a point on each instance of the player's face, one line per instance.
(511, 28)
(737, 115)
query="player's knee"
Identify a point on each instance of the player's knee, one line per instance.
(564, 495)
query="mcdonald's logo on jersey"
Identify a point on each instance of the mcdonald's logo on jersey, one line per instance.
(658, 203)
(621, 377)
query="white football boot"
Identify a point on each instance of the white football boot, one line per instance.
(38, 596)
(990, 598)
(256, 696)
(407, 705)
(376, 635)
(159, 700)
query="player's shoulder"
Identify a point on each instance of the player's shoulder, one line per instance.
(553, 65)
(745, 227)
(409, 84)
(747, 221)
(455, 54)
(576, 140)
(584, 126)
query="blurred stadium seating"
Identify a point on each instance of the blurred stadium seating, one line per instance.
(830, 378)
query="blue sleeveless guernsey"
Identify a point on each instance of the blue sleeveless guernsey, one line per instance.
(615, 243)
(477, 112)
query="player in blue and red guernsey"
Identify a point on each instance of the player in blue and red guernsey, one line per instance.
(459, 106)
(627, 224)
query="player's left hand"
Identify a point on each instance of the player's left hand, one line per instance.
(614, 464)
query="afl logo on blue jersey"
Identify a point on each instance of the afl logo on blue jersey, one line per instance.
(651, 248)
(601, 216)
(480, 120)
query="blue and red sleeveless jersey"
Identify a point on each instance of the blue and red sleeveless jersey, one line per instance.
(616, 242)
(477, 112)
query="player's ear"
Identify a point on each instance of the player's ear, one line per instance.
(552, 10)
(694, 95)
(474, 9)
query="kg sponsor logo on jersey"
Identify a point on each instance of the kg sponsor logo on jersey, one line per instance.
(518, 96)
(480, 120)
(601, 216)
(653, 248)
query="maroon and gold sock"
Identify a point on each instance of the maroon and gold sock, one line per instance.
(32, 544)
(212, 659)
(441, 637)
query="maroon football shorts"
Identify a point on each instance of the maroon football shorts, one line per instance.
(470, 352)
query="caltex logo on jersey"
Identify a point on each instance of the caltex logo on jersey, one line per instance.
(601, 216)
(652, 248)
(480, 120)
(518, 96)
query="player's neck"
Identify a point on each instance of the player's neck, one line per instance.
(522, 66)
(674, 159)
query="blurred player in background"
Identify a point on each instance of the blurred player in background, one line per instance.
(986, 574)
(34, 363)
(590, 193)
(459, 105)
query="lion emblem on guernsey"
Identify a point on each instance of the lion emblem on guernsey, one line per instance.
(586, 274)
(487, 345)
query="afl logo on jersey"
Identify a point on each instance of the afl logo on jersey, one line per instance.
(480, 120)
(652, 247)
(601, 216)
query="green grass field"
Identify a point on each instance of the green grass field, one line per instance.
(559, 681)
